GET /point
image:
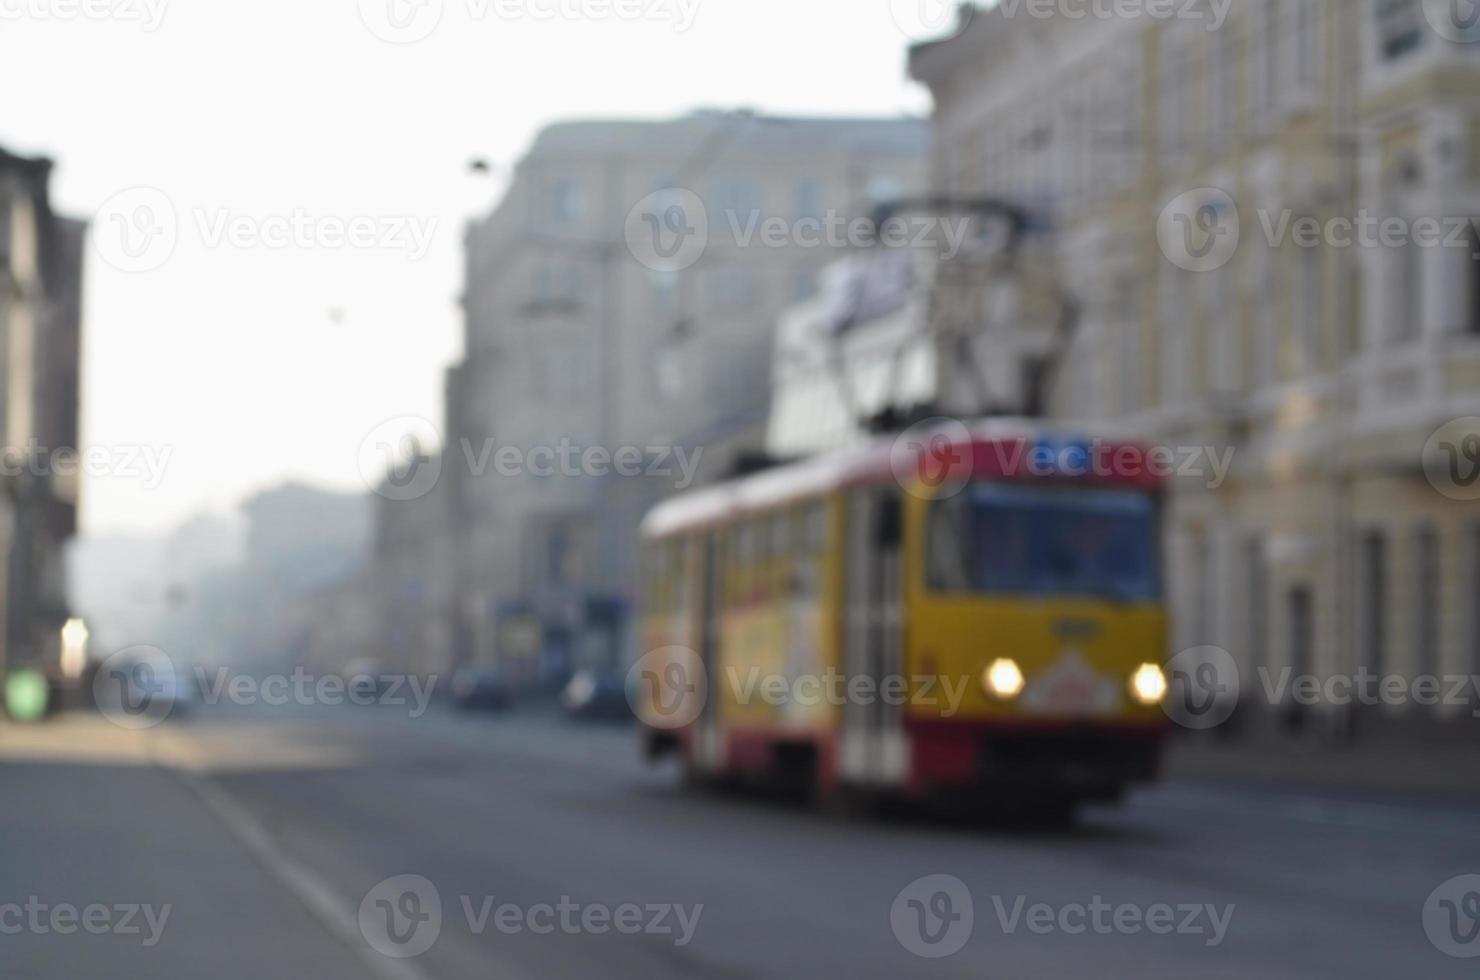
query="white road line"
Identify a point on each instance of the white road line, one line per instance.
(332, 912)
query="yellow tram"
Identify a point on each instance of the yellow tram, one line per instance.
(950, 613)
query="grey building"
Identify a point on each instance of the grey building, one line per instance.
(40, 338)
(593, 351)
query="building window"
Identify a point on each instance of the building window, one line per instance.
(1220, 351)
(1426, 602)
(735, 288)
(1474, 603)
(883, 189)
(809, 199)
(1400, 27)
(1310, 48)
(1176, 334)
(567, 202)
(1205, 613)
(1308, 329)
(1130, 365)
(1300, 621)
(803, 285)
(1268, 298)
(1264, 58)
(1222, 87)
(1472, 281)
(557, 284)
(1372, 607)
(1408, 296)
(665, 291)
(736, 197)
(1258, 601)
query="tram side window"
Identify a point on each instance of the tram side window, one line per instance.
(810, 538)
(760, 560)
(679, 577)
(646, 577)
(743, 556)
(724, 563)
(665, 578)
(652, 577)
(776, 571)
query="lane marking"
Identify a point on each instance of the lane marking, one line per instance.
(317, 896)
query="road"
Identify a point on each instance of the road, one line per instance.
(555, 852)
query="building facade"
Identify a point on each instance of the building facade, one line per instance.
(40, 337)
(592, 352)
(1217, 189)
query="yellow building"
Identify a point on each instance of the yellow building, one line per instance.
(1263, 210)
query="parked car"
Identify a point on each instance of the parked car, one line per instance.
(597, 696)
(145, 690)
(481, 687)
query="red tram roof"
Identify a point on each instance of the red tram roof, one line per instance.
(922, 457)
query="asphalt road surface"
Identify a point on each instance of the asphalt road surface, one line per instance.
(334, 842)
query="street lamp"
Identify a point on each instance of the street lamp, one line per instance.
(74, 648)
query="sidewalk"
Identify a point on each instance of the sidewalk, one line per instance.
(91, 825)
(1442, 768)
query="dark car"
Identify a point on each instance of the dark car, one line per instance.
(597, 696)
(481, 688)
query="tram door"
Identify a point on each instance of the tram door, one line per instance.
(873, 747)
(710, 597)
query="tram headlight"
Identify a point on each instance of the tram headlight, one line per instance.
(1004, 679)
(1149, 684)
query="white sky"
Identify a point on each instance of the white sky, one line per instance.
(227, 356)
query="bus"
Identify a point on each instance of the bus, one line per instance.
(963, 614)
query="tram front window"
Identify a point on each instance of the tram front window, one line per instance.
(1045, 542)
